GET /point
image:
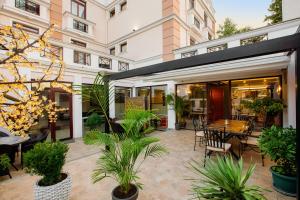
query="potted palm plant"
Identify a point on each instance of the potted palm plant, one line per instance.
(46, 160)
(4, 165)
(224, 179)
(94, 121)
(280, 144)
(123, 160)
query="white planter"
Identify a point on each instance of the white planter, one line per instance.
(59, 191)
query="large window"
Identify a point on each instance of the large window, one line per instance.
(112, 51)
(80, 26)
(28, 6)
(26, 28)
(123, 47)
(123, 66)
(121, 93)
(104, 62)
(78, 8)
(82, 58)
(54, 50)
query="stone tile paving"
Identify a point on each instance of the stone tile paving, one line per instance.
(163, 178)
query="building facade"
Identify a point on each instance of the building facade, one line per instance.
(108, 36)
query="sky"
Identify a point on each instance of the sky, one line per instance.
(242, 12)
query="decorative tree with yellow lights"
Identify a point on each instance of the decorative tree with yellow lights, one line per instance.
(21, 105)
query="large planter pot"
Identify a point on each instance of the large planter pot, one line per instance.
(59, 191)
(177, 126)
(284, 184)
(132, 195)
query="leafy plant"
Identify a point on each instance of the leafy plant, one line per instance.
(224, 179)
(280, 144)
(136, 122)
(124, 158)
(46, 160)
(93, 121)
(181, 106)
(4, 162)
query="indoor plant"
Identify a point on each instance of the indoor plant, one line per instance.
(46, 160)
(224, 179)
(280, 144)
(122, 160)
(181, 106)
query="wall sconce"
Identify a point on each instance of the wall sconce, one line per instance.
(278, 90)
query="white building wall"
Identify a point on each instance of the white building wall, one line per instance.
(290, 9)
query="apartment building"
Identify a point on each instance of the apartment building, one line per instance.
(108, 36)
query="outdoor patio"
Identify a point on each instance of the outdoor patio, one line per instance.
(163, 178)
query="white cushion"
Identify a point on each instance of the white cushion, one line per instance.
(227, 146)
(250, 141)
(200, 133)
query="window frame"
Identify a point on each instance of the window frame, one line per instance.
(27, 28)
(58, 48)
(124, 3)
(86, 56)
(124, 44)
(104, 62)
(112, 11)
(112, 49)
(26, 6)
(76, 26)
(205, 19)
(78, 3)
(197, 22)
(78, 43)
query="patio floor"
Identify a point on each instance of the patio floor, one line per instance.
(163, 178)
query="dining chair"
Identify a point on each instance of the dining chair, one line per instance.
(215, 141)
(10, 151)
(249, 142)
(199, 124)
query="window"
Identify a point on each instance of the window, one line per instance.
(123, 6)
(78, 8)
(26, 28)
(80, 26)
(123, 47)
(104, 62)
(196, 23)
(112, 13)
(254, 39)
(112, 51)
(189, 54)
(192, 41)
(78, 43)
(123, 66)
(55, 50)
(217, 48)
(205, 20)
(28, 6)
(210, 36)
(82, 58)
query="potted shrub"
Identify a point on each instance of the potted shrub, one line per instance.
(224, 179)
(280, 144)
(181, 106)
(93, 121)
(4, 165)
(46, 160)
(122, 161)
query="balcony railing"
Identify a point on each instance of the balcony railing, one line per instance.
(123, 66)
(80, 26)
(217, 48)
(105, 62)
(254, 39)
(189, 54)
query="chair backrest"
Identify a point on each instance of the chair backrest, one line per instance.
(215, 137)
(9, 150)
(199, 123)
(250, 127)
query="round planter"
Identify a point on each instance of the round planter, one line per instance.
(284, 184)
(59, 191)
(134, 196)
(177, 126)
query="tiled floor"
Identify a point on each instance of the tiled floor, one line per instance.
(163, 178)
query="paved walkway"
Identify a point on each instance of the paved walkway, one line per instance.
(163, 178)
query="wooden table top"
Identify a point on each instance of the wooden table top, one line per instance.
(231, 126)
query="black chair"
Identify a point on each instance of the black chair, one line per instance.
(33, 139)
(10, 151)
(215, 142)
(199, 125)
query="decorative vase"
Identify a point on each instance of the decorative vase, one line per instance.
(59, 191)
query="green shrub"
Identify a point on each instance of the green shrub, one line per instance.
(280, 145)
(46, 160)
(4, 162)
(224, 179)
(94, 121)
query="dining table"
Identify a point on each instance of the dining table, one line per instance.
(233, 129)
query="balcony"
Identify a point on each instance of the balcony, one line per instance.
(38, 12)
(77, 25)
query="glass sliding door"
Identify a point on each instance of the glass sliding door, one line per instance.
(159, 106)
(120, 95)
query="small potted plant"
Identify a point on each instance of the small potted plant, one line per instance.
(122, 161)
(4, 165)
(224, 179)
(46, 160)
(280, 144)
